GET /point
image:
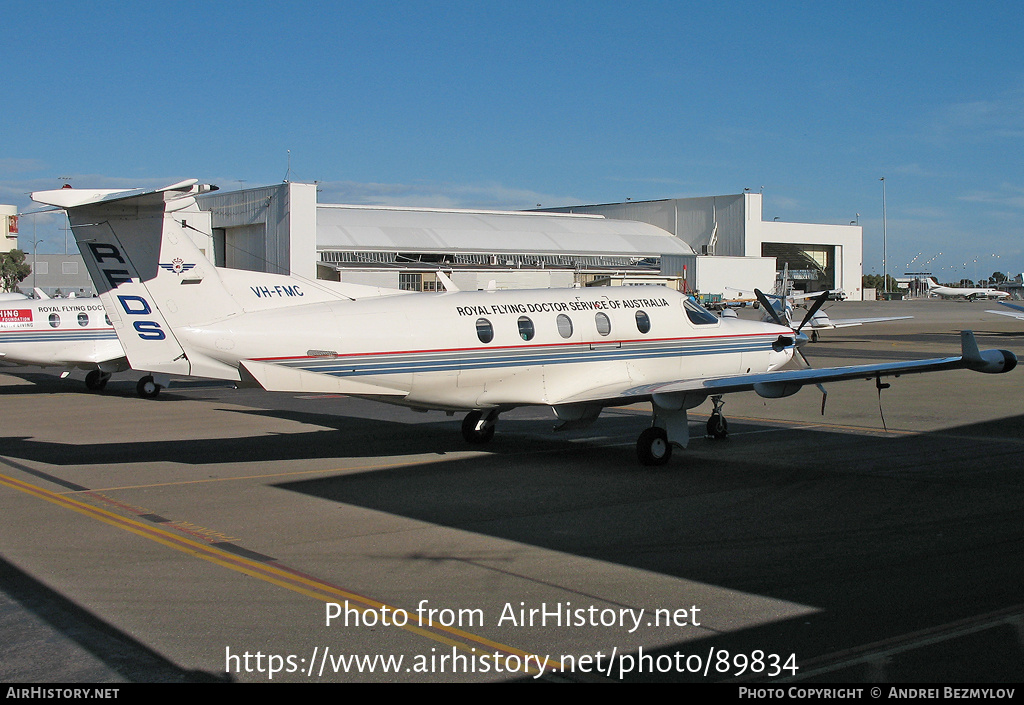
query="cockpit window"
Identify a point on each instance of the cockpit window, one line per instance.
(698, 314)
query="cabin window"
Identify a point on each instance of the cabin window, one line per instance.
(54, 320)
(643, 322)
(484, 330)
(564, 324)
(107, 319)
(604, 324)
(83, 319)
(525, 328)
(698, 314)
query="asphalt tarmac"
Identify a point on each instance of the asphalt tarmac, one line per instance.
(208, 534)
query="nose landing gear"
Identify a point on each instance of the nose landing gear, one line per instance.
(718, 427)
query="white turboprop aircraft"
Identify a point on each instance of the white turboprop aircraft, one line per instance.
(484, 352)
(784, 307)
(821, 321)
(69, 333)
(968, 293)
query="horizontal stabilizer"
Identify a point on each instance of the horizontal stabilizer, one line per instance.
(277, 378)
(74, 198)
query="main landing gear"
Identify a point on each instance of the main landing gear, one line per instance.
(477, 428)
(147, 387)
(670, 427)
(95, 381)
(653, 448)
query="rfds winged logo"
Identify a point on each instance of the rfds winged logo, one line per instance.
(177, 266)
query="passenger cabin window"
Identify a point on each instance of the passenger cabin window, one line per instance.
(604, 324)
(525, 328)
(484, 330)
(698, 314)
(83, 319)
(107, 319)
(564, 324)
(54, 320)
(643, 322)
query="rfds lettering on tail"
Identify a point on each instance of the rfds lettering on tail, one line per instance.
(577, 351)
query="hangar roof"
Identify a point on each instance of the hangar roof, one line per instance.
(377, 228)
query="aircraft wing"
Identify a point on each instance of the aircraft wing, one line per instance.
(848, 322)
(785, 382)
(1016, 312)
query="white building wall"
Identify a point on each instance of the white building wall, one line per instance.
(302, 229)
(714, 275)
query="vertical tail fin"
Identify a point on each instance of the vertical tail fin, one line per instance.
(140, 259)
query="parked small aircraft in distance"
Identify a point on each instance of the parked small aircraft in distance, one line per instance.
(482, 352)
(785, 307)
(965, 292)
(1017, 312)
(69, 333)
(820, 320)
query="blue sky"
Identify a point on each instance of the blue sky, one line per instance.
(507, 105)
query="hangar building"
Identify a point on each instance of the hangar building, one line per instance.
(282, 228)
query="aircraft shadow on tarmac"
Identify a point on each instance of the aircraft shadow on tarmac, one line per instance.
(881, 535)
(33, 616)
(884, 536)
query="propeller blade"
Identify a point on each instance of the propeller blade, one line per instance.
(819, 385)
(818, 302)
(768, 307)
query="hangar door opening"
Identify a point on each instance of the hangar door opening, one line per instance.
(811, 267)
(245, 247)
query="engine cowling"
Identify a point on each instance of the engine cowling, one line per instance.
(994, 362)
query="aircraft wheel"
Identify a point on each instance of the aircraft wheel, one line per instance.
(718, 427)
(469, 431)
(147, 388)
(814, 336)
(653, 448)
(94, 380)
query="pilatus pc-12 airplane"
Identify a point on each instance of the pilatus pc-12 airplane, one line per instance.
(481, 352)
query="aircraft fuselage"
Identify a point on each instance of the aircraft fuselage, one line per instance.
(57, 332)
(474, 350)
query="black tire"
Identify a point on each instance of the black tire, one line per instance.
(718, 427)
(94, 380)
(469, 431)
(147, 388)
(653, 448)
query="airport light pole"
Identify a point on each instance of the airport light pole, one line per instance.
(885, 269)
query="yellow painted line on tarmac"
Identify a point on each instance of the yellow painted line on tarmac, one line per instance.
(273, 574)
